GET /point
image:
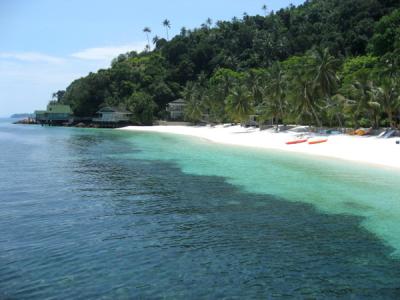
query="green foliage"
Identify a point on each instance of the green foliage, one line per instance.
(306, 64)
(360, 67)
(142, 106)
(238, 104)
(194, 103)
(387, 34)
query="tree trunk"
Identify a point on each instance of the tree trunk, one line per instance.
(390, 116)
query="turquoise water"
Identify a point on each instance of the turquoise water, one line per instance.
(330, 185)
(105, 214)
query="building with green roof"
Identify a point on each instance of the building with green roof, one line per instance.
(55, 114)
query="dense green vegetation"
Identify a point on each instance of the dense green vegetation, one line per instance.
(326, 62)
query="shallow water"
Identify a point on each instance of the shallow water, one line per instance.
(118, 215)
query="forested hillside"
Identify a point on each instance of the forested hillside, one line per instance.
(326, 62)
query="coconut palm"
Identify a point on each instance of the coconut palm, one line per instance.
(326, 67)
(147, 30)
(376, 94)
(304, 100)
(265, 9)
(214, 100)
(155, 40)
(326, 80)
(239, 105)
(194, 106)
(361, 92)
(254, 83)
(167, 25)
(276, 92)
(387, 95)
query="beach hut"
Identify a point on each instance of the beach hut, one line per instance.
(112, 116)
(54, 115)
(176, 109)
(40, 116)
(58, 112)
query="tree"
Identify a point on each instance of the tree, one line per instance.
(326, 79)
(387, 34)
(209, 22)
(304, 100)
(274, 95)
(167, 25)
(156, 39)
(194, 107)
(265, 9)
(142, 106)
(147, 30)
(361, 93)
(388, 97)
(238, 104)
(58, 96)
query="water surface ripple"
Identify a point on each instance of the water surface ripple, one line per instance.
(83, 215)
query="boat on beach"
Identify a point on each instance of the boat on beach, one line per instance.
(298, 141)
(317, 141)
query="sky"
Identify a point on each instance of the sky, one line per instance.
(46, 44)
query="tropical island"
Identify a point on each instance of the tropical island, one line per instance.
(326, 62)
(256, 158)
(332, 65)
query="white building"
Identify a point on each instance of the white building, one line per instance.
(176, 109)
(112, 115)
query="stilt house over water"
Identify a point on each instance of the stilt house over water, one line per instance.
(55, 114)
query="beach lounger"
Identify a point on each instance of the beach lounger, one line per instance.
(389, 134)
(382, 134)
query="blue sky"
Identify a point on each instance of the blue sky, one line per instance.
(45, 44)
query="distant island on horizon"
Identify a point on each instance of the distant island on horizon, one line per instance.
(21, 115)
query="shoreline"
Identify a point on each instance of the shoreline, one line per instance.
(369, 150)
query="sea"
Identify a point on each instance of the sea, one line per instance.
(111, 214)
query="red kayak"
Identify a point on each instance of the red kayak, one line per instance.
(296, 142)
(313, 142)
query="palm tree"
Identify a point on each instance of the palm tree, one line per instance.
(194, 106)
(278, 86)
(326, 67)
(387, 95)
(265, 9)
(214, 100)
(362, 94)
(155, 40)
(326, 80)
(303, 97)
(167, 25)
(253, 81)
(147, 30)
(239, 104)
(376, 95)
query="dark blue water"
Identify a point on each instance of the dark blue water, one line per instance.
(79, 220)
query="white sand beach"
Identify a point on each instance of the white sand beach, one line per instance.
(371, 150)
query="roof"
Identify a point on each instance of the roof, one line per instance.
(37, 112)
(59, 109)
(113, 109)
(178, 101)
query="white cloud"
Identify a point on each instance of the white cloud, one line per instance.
(108, 53)
(31, 57)
(27, 79)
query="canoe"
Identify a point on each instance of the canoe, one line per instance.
(296, 142)
(313, 142)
